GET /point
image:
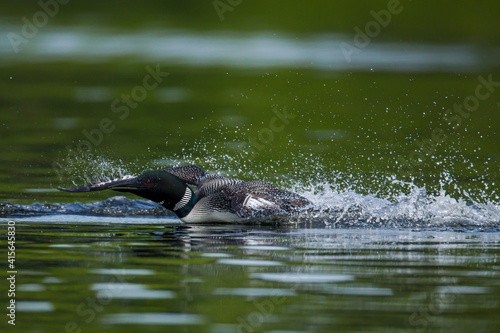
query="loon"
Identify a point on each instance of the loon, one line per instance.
(215, 198)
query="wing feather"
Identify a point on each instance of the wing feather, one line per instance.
(255, 199)
(246, 199)
(191, 174)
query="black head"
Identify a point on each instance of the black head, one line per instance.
(158, 186)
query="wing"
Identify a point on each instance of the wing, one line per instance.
(255, 199)
(212, 208)
(207, 183)
(191, 174)
(247, 199)
(213, 184)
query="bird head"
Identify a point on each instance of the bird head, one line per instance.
(159, 186)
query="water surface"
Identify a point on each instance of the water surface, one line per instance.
(404, 231)
(215, 278)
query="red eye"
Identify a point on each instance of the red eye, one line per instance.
(148, 181)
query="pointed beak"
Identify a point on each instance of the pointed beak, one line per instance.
(122, 185)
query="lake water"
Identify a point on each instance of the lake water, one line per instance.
(122, 274)
(395, 144)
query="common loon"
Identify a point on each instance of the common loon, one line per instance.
(215, 198)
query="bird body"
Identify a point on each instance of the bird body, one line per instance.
(196, 196)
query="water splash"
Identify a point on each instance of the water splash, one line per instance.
(417, 209)
(86, 167)
(335, 204)
(118, 206)
(341, 199)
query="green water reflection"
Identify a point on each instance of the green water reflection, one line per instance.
(228, 279)
(352, 122)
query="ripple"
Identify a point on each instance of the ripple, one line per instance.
(116, 286)
(129, 291)
(153, 318)
(249, 262)
(138, 294)
(34, 306)
(360, 291)
(264, 248)
(31, 287)
(258, 50)
(255, 292)
(122, 271)
(68, 245)
(51, 279)
(215, 255)
(462, 290)
(40, 190)
(93, 94)
(303, 277)
(173, 94)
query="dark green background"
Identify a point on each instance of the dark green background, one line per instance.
(377, 114)
(353, 129)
